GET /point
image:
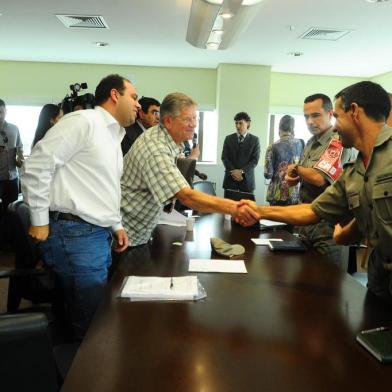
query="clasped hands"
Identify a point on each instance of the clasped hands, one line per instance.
(236, 174)
(246, 213)
(292, 177)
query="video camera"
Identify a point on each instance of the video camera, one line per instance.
(73, 101)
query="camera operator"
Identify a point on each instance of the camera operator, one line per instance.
(73, 102)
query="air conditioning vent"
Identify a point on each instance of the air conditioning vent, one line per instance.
(324, 34)
(83, 22)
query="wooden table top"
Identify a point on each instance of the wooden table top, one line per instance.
(289, 324)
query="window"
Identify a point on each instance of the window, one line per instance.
(26, 119)
(207, 135)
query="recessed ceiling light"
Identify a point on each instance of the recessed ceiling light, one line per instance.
(376, 1)
(295, 54)
(212, 45)
(226, 15)
(100, 43)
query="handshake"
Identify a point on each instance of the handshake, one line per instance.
(246, 213)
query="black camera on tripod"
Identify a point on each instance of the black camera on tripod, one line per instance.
(73, 101)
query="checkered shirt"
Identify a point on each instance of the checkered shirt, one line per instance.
(150, 181)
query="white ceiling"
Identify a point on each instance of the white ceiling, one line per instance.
(152, 32)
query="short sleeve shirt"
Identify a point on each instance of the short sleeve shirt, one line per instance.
(366, 194)
(314, 148)
(150, 180)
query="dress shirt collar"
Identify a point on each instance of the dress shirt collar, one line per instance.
(141, 125)
(384, 135)
(172, 144)
(110, 121)
(244, 136)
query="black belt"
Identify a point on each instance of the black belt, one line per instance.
(56, 215)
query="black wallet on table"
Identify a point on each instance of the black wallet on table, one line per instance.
(288, 246)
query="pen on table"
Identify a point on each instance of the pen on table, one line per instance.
(375, 330)
(171, 282)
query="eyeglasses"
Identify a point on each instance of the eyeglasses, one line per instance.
(188, 120)
(4, 136)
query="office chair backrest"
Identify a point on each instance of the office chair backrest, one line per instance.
(39, 288)
(205, 186)
(187, 168)
(27, 362)
(26, 253)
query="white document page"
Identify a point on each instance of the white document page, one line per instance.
(172, 219)
(155, 288)
(217, 265)
(270, 223)
(264, 241)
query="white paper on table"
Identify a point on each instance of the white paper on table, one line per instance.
(264, 241)
(158, 288)
(217, 265)
(270, 223)
(172, 219)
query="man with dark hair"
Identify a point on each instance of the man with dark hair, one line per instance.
(11, 156)
(71, 183)
(320, 165)
(152, 180)
(147, 117)
(240, 155)
(364, 190)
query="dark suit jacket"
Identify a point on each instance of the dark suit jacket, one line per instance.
(243, 156)
(131, 134)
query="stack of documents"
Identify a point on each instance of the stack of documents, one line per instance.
(174, 218)
(154, 288)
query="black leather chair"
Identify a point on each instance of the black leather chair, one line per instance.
(28, 280)
(205, 186)
(28, 361)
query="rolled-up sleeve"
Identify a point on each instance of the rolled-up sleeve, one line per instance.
(163, 178)
(332, 204)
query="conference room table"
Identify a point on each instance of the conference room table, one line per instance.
(288, 324)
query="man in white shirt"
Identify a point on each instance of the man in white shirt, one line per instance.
(71, 183)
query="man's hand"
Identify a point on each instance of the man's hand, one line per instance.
(121, 241)
(195, 152)
(292, 170)
(348, 234)
(39, 233)
(237, 174)
(292, 178)
(292, 181)
(247, 213)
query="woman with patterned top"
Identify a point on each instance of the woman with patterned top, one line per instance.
(279, 155)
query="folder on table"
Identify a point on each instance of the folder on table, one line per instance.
(378, 342)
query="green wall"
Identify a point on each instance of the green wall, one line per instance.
(385, 80)
(31, 83)
(289, 90)
(230, 88)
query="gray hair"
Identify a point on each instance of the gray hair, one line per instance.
(174, 103)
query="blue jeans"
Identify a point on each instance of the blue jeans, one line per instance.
(80, 255)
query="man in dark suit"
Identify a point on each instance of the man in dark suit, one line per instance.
(241, 152)
(147, 117)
